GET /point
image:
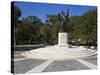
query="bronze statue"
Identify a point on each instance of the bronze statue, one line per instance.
(63, 17)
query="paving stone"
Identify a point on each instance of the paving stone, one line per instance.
(91, 60)
(65, 66)
(25, 65)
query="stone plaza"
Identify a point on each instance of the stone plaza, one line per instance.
(29, 65)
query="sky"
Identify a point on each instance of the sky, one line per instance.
(42, 9)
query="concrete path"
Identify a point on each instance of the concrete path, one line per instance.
(89, 65)
(27, 65)
(41, 67)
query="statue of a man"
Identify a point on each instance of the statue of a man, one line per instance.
(63, 17)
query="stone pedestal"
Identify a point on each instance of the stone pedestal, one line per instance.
(62, 39)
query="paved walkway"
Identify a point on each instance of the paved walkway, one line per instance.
(27, 65)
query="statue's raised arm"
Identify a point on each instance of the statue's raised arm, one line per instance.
(67, 16)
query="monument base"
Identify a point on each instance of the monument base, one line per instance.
(60, 51)
(62, 39)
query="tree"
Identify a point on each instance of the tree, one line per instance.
(30, 29)
(53, 25)
(89, 27)
(17, 14)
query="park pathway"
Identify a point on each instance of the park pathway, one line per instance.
(27, 65)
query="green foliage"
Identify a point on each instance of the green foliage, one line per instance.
(17, 14)
(81, 29)
(85, 28)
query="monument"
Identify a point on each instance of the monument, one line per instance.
(62, 35)
(61, 51)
